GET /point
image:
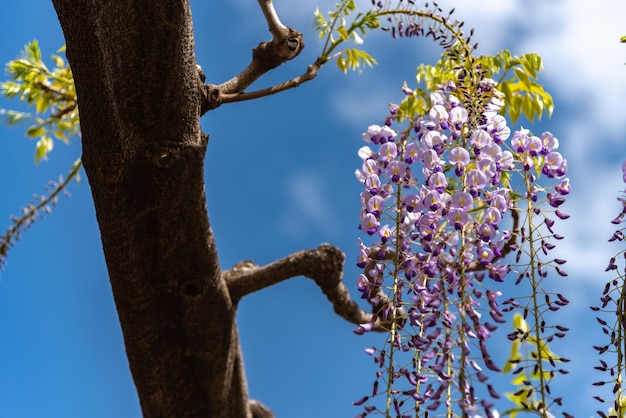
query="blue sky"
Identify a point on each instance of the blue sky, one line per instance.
(280, 178)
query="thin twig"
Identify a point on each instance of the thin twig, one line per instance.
(310, 74)
(31, 212)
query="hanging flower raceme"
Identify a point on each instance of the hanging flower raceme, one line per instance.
(434, 200)
(613, 323)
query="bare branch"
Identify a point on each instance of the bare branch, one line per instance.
(276, 27)
(324, 265)
(32, 211)
(217, 98)
(285, 45)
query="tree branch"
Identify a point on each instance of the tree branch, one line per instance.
(219, 98)
(324, 265)
(285, 45)
(32, 211)
(276, 27)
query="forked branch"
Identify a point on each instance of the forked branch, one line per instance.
(285, 45)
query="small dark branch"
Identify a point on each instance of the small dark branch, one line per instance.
(61, 94)
(324, 265)
(62, 112)
(32, 211)
(216, 98)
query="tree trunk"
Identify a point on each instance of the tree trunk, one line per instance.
(139, 96)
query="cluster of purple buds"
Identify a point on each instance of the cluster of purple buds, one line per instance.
(434, 198)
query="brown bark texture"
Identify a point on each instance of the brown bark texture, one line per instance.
(140, 98)
(143, 151)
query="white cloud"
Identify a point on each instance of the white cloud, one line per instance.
(309, 208)
(362, 108)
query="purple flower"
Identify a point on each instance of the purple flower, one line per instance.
(438, 114)
(498, 128)
(499, 201)
(480, 138)
(506, 161)
(413, 202)
(388, 151)
(555, 164)
(384, 233)
(412, 152)
(563, 187)
(432, 200)
(462, 200)
(457, 217)
(458, 116)
(375, 205)
(437, 181)
(387, 134)
(549, 142)
(433, 139)
(431, 160)
(369, 224)
(373, 184)
(534, 146)
(487, 166)
(476, 179)
(485, 255)
(372, 135)
(520, 140)
(366, 153)
(493, 216)
(396, 170)
(459, 156)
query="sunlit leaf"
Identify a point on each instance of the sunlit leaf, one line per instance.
(44, 145)
(13, 117)
(35, 131)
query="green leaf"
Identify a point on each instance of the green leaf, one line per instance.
(343, 33)
(58, 61)
(523, 77)
(515, 109)
(44, 145)
(60, 135)
(342, 63)
(527, 108)
(35, 131)
(13, 117)
(529, 67)
(42, 104)
(320, 24)
(64, 125)
(32, 51)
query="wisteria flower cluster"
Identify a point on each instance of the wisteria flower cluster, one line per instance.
(613, 306)
(440, 210)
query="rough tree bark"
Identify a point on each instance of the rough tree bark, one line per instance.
(140, 97)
